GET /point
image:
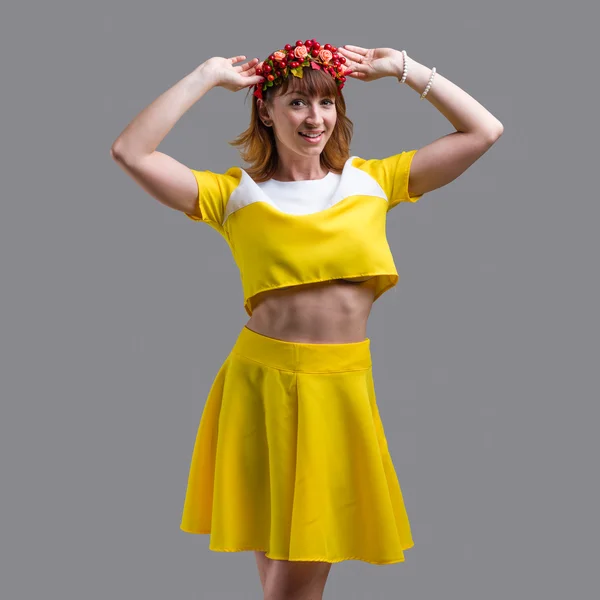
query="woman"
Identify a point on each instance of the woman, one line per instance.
(291, 459)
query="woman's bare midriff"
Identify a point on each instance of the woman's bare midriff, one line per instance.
(327, 312)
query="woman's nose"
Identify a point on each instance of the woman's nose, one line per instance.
(316, 108)
(314, 116)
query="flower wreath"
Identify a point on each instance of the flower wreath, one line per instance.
(295, 58)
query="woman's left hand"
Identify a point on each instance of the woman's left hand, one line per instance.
(370, 64)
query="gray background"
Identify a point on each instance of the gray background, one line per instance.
(116, 311)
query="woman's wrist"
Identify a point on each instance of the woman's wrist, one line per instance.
(399, 64)
(202, 79)
(418, 74)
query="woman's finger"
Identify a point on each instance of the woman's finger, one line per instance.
(250, 73)
(354, 56)
(249, 65)
(357, 49)
(353, 65)
(235, 59)
(357, 75)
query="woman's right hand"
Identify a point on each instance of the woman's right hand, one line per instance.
(234, 78)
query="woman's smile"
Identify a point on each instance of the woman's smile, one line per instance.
(313, 139)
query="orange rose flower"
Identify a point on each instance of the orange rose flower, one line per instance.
(325, 55)
(300, 52)
(279, 55)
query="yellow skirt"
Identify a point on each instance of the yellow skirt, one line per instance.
(291, 457)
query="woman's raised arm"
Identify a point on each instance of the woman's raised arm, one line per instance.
(163, 177)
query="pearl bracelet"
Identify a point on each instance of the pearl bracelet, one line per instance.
(404, 67)
(405, 73)
(433, 71)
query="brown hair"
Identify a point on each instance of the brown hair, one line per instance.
(258, 141)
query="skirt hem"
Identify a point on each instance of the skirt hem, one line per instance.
(311, 559)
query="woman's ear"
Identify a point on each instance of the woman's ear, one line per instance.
(263, 111)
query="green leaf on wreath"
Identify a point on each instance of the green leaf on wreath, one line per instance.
(270, 84)
(297, 72)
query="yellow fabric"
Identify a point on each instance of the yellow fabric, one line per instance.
(273, 249)
(291, 457)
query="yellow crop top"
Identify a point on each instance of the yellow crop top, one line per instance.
(283, 239)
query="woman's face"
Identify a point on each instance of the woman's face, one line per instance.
(293, 114)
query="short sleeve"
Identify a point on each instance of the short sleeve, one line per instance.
(392, 174)
(214, 190)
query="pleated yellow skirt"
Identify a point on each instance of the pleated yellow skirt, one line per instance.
(291, 457)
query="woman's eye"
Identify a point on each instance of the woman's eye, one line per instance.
(326, 100)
